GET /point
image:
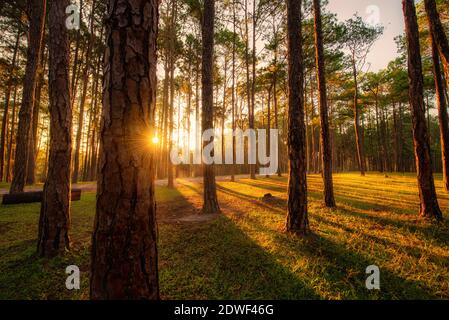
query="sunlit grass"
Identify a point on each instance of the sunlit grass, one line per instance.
(244, 253)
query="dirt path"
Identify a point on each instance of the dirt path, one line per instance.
(92, 186)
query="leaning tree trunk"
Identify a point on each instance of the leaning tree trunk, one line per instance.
(426, 186)
(210, 190)
(37, 9)
(54, 222)
(326, 154)
(124, 253)
(297, 217)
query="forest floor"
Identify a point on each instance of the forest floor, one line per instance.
(244, 253)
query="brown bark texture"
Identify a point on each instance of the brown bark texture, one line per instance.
(426, 186)
(124, 252)
(326, 154)
(297, 216)
(36, 13)
(54, 221)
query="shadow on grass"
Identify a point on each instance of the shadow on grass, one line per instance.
(339, 268)
(342, 267)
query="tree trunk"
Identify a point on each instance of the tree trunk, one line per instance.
(11, 136)
(439, 35)
(85, 76)
(210, 191)
(233, 88)
(297, 217)
(358, 133)
(37, 9)
(326, 154)
(32, 148)
(172, 53)
(253, 81)
(252, 168)
(426, 186)
(54, 221)
(124, 253)
(74, 79)
(442, 113)
(6, 111)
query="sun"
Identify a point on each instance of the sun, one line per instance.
(155, 140)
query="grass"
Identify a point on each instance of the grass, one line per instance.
(244, 253)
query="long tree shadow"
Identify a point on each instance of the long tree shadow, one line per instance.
(434, 232)
(413, 251)
(217, 260)
(343, 269)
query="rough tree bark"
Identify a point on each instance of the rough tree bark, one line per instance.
(37, 9)
(124, 252)
(297, 216)
(442, 113)
(326, 154)
(426, 186)
(54, 221)
(210, 190)
(437, 34)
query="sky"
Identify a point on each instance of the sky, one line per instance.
(387, 12)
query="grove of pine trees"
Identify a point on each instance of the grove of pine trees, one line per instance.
(108, 101)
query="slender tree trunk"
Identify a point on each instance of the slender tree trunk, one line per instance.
(426, 186)
(442, 113)
(439, 35)
(85, 79)
(11, 136)
(74, 79)
(94, 141)
(326, 154)
(198, 145)
(275, 94)
(233, 88)
(37, 9)
(32, 151)
(312, 127)
(297, 217)
(210, 192)
(253, 80)
(124, 253)
(269, 119)
(358, 132)
(172, 53)
(252, 168)
(6, 111)
(164, 138)
(54, 221)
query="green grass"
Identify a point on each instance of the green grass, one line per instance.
(245, 254)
